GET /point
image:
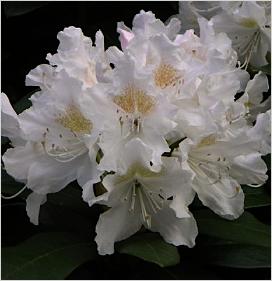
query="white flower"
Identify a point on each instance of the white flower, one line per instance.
(158, 201)
(146, 25)
(57, 141)
(247, 24)
(221, 163)
(189, 11)
(136, 110)
(79, 58)
(253, 96)
(250, 31)
(212, 183)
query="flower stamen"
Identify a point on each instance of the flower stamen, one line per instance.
(134, 100)
(165, 75)
(74, 120)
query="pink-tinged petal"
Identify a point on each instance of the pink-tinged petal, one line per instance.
(125, 37)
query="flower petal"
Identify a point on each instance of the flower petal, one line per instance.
(114, 225)
(225, 197)
(9, 120)
(33, 203)
(175, 230)
(249, 169)
(18, 160)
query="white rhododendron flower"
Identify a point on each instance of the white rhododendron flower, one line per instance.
(142, 197)
(247, 23)
(253, 98)
(57, 141)
(79, 58)
(221, 164)
(138, 111)
(145, 127)
(146, 25)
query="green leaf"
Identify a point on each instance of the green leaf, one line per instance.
(268, 57)
(70, 197)
(9, 186)
(46, 256)
(4, 140)
(256, 197)
(267, 160)
(245, 230)
(150, 247)
(196, 204)
(23, 103)
(265, 69)
(237, 255)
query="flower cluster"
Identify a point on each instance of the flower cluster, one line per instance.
(247, 24)
(142, 129)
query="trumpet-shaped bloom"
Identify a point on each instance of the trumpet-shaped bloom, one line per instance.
(136, 111)
(57, 142)
(247, 24)
(158, 201)
(221, 163)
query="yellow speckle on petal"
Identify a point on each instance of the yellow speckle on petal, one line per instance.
(74, 120)
(248, 104)
(165, 75)
(133, 100)
(138, 171)
(207, 141)
(249, 23)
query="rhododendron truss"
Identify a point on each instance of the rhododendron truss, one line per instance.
(147, 127)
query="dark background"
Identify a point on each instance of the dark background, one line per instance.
(29, 32)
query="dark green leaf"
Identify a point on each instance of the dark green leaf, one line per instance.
(268, 57)
(23, 103)
(46, 256)
(4, 140)
(150, 247)
(9, 186)
(197, 204)
(237, 255)
(265, 69)
(70, 197)
(256, 197)
(267, 160)
(245, 230)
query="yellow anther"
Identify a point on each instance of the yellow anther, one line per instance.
(134, 100)
(207, 141)
(165, 75)
(74, 120)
